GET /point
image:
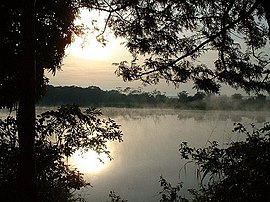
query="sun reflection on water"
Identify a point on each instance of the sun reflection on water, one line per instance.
(89, 162)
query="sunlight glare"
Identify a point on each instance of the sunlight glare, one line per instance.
(88, 162)
(87, 46)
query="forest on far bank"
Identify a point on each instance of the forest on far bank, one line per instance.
(129, 97)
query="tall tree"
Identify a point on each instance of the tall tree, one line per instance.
(31, 30)
(26, 112)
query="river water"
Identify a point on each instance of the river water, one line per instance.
(150, 149)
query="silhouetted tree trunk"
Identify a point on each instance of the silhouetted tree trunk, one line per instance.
(26, 112)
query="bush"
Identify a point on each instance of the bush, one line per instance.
(239, 172)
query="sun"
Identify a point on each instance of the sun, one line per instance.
(87, 46)
(89, 49)
(89, 162)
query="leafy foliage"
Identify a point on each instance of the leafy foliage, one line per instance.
(240, 172)
(173, 35)
(170, 193)
(58, 135)
(116, 198)
(54, 27)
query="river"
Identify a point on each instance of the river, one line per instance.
(150, 149)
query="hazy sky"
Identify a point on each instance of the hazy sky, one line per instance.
(93, 67)
(88, 63)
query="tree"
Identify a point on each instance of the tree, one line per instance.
(31, 30)
(237, 96)
(199, 96)
(173, 35)
(59, 133)
(53, 30)
(183, 96)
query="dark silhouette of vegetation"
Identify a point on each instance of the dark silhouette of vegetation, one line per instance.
(171, 193)
(33, 36)
(129, 97)
(174, 35)
(59, 134)
(238, 172)
(116, 198)
(94, 96)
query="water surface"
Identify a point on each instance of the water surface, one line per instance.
(150, 149)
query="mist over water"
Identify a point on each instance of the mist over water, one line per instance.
(150, 149)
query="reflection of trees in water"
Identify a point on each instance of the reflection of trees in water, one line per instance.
(186, 114)
(156, 114)
(260, 119)
(234, 116)
(137, 113)
(197, 115)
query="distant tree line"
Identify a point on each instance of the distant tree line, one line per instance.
(94, 96)
(129, 97)
(236, 101)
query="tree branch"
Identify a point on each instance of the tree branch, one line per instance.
(210, 39)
